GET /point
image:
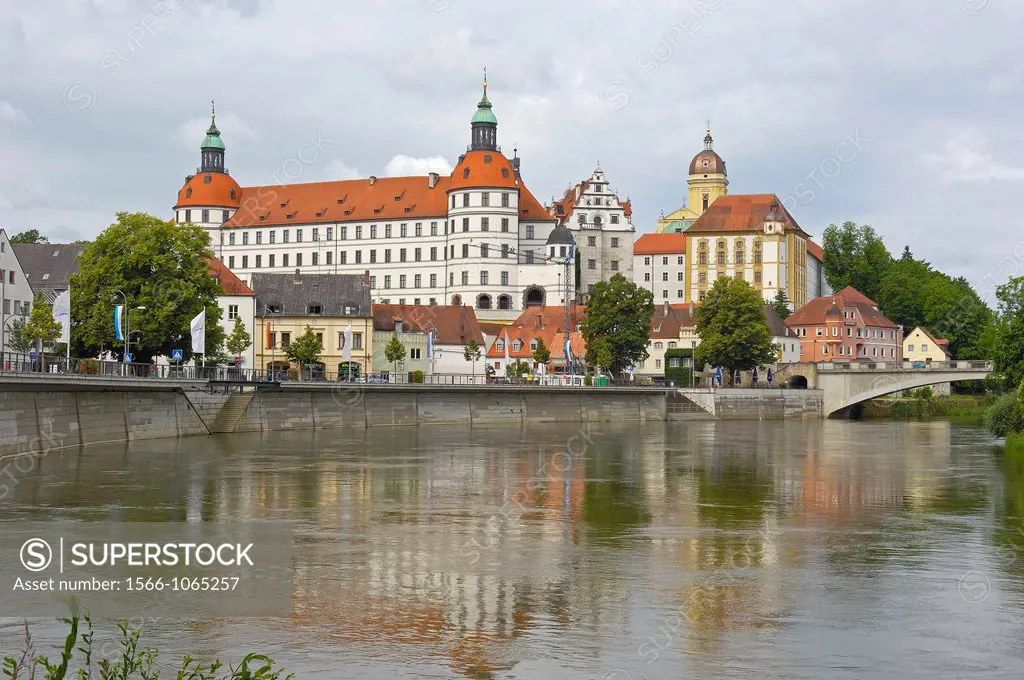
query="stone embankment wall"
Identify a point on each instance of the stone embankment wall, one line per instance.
(36, 418)
(741, 404)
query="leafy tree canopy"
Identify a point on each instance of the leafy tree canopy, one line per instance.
(30, 236)
(781, 304)
(239, 340)
(732, 328)
(395, 350)
(305, 349)
(1009, 348)
(16, 338)
(41, 326)
(617, 324)
(541, 355)
(854, 256)
(158, 265)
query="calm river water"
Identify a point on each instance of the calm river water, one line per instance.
(703, 550)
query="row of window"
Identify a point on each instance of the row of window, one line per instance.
(417, 280)
(485, 199)
(664, 276)
(680, 260)
(483, 251)
(597, 218)
(861, 333)
(19, 308)
(286, 340)
(877, 352)
(517, 345)
(924, 347)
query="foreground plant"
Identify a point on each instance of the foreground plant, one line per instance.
(132, 663)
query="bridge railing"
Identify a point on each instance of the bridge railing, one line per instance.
(965, 365)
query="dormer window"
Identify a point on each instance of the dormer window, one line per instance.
(465, 173)
(232, 194)
(321, 213)
(487, 158)
(207, 179)
(504, 173)
(315, 309)
(188, 193)
(273, 309)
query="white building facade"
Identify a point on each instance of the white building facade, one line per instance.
(475, 237)
(601, 225)
(15, 292)
(659, 265)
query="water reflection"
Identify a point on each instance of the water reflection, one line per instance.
(818, 549)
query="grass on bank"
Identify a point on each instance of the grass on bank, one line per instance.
(76, 660)
(923, 404)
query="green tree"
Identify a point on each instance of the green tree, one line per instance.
(158, 265)
(41, 327)
(1010, 331)
(239, 340)
(617, 324)
(781, 304)
(472, 353)
(541, 355)
(30, 236)
(394, 351)
(732, 328)
(517, 369)
(900, 292)
(305, 350)
(16, 338)
(854, 256)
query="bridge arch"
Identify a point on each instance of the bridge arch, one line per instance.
(844, 388)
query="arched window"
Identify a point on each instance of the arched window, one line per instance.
(703, 252)
(721, 251)
(188, 193)
(757, 252)
(659, 345)
(705, 201)
(597, 220)
(533, 297)
(483, 301)
(504, 302)
(739, 251)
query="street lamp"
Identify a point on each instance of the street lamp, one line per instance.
(127, 324)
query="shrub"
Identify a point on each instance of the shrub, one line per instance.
(925, 392)
(1004, 417)
(588, 380)
(417, 376)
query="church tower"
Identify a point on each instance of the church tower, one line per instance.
(708, 178)
(484, 124)
(212, 147)
(707, 182)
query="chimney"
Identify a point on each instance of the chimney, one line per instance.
(668, 308)
(432, 180)
(298, 277)
(373, 180)
(366, 278)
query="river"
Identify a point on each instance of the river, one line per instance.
(705, 550)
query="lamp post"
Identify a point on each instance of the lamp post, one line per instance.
(693, 364)
(127, 321)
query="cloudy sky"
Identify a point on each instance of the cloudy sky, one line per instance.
(901, 114)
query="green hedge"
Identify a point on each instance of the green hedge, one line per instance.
(683, 374)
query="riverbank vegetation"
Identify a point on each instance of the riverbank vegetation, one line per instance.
(923, 404)
(78, 659)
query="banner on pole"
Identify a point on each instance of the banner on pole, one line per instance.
(199, 333)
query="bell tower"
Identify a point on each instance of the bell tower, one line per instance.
(484, 124)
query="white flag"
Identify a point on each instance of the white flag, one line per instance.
(62, 315)
(347, 349)
(199, 333)
(507, 360)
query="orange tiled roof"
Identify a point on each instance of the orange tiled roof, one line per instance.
(222, 191)
(815, 311)
(660, 244)
(455, 324)
(543, 323)
(229, 282)
(815, 250)
(740, 212)
(379, 198)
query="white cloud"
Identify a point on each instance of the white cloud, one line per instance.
(9, 113)
(337, 170)
(232, 128)
(402, 166)
(965, 159)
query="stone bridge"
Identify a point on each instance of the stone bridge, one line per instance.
(847, 384)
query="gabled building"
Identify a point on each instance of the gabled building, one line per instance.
(536, 325)
(788, 343)
(15, 292)
(236, 301)
(659, 265)
(327, 303)
(49, 266)
(475, 237)
(452, 327)
(846, 326)
(752, 237)
(601, 225)
(921, 346)
(672, 327)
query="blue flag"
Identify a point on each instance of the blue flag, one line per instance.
(118, 328)
(568, 354)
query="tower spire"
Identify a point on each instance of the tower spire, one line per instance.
(484, 124)
(212, 146)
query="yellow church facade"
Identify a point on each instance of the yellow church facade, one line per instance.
(751, 237)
